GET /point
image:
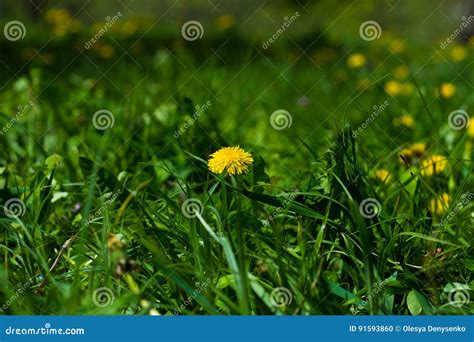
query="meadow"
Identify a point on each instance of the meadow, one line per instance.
(350, 194)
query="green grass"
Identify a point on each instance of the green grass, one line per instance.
(104, 208)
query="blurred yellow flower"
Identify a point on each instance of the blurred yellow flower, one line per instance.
(225, 22)
(356, 61)
(397, 46)
(104, 50)
(470, 128)
(383, 175)
(458, 53)
(447, 90)
(438, 206)
(401, 72)
(394, 88)
(413, 152)
(364, 84)
(231, 159)
(433, 165)
(62, 21)
(404, 120)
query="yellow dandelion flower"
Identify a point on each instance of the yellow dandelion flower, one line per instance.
(470, 128)
(415, 151)
(364, 84)
(401, 72)
(438, 206)
(447, 90)
(356, 61)
(231, 159)
(225, 22)
(405, 120)
(383, 175)
(397, 46)
(433, 165)
(394, 88)
(458, 53)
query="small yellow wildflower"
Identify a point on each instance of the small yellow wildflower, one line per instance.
(405, 120)
(394, 88)
(225, 22)
(413, 152)
(364, 84)
(356, 61)
(401, 72)
(383, 175)
(470, 128)
(433, 165)
(458, 53)
(231, 159)
(397, 46)
(439, 205)
(447, 90)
